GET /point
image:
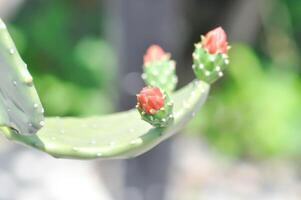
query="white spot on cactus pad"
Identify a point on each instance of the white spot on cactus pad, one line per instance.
(112, 143)
(137, 141)
(75, 149)
(11, 51)
(212, 58)
(28, 80)
(42, 123)
(195, 56)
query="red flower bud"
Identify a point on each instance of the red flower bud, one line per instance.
(150, 99)
(215, 41)
(154, 52)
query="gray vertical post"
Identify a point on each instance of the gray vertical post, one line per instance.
(144, 22)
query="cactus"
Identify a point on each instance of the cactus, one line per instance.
(20, 107)
(210, 56)
(119, 135)
(159, 69)
(155, 106)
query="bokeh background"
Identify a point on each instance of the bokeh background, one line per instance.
(86, 57)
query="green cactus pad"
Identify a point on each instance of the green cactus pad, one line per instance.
(20, 106)
(208, 67)
(120, 135)
(161, 73)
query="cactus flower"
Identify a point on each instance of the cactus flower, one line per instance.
(215, 41)
(150, 99)
(154, 52)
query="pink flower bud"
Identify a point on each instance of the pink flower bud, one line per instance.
(154, 52)
(215, 41)
(150, 99)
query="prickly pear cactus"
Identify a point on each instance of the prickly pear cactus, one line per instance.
(159, 69)
(210, 56)
(20, 107)
(119, 135)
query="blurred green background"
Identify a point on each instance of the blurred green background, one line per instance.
(73, 66)
(253, 112)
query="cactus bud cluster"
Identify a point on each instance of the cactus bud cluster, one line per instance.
(210, 57)
(155, 106)
(159, 69)
(153, 102)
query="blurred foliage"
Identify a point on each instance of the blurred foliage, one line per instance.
(255, 111)
(74, 67)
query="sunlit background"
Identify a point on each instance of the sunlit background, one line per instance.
(86, 57)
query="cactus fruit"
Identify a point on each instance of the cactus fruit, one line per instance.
(20, 106)
(210, 57)
(119, 135)
(155, 106)
(159, 69)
